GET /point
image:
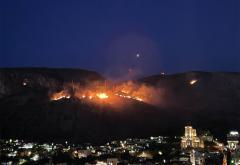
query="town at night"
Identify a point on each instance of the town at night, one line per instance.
(120, 82)
(188, 149)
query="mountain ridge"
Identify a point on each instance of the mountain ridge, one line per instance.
(209, 100)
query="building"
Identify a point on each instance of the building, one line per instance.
(207, 136)
(112, 161)
(224, 160)
(232, 140)
(235, 157)
(190, 139)
(81, 154)
(196, 158)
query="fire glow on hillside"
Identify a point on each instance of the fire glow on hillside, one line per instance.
(192, 82)
(102, 95)
(92, 96)
(60, 95)
(112, 94)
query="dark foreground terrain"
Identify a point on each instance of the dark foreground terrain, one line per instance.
(211, 103)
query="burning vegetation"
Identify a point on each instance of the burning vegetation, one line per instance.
(192, 82)
(60, 95)
(113, 94)
(102, 95)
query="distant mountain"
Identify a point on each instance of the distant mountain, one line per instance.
(206, 100)
(14, 80)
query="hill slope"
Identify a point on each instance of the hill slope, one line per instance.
(207, 100)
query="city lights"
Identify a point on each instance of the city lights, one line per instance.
(155, 149)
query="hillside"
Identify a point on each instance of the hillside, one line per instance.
(14, 80)
(206, 100)
(217, 90)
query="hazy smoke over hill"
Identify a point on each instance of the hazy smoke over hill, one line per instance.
(110, 92)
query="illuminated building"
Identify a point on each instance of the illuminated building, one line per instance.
(146, 155)
(207, 136)
(112, 161)
(81, 153)
(224, 160)
(233, 140)
(235, 157)
(190, 139)
(196, 158)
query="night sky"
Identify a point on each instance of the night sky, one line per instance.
(119, 37)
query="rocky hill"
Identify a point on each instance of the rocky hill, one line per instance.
(199, 90)
(14, 80)
(206, 100)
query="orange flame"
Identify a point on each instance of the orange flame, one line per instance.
(192, 82)
(60, 95)
(113, 94)
(102, 95)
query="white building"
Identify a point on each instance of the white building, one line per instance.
(233, 140)
(190, 139)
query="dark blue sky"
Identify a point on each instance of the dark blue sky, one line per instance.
(106, 35)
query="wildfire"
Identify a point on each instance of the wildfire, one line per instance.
(138, 98)
(90, 97)
(113, 94)
(60, 95)
(129, 97)
(192, 82)
(102, 95)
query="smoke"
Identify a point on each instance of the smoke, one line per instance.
(146, 93)
(116, 94)
(131, 56)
